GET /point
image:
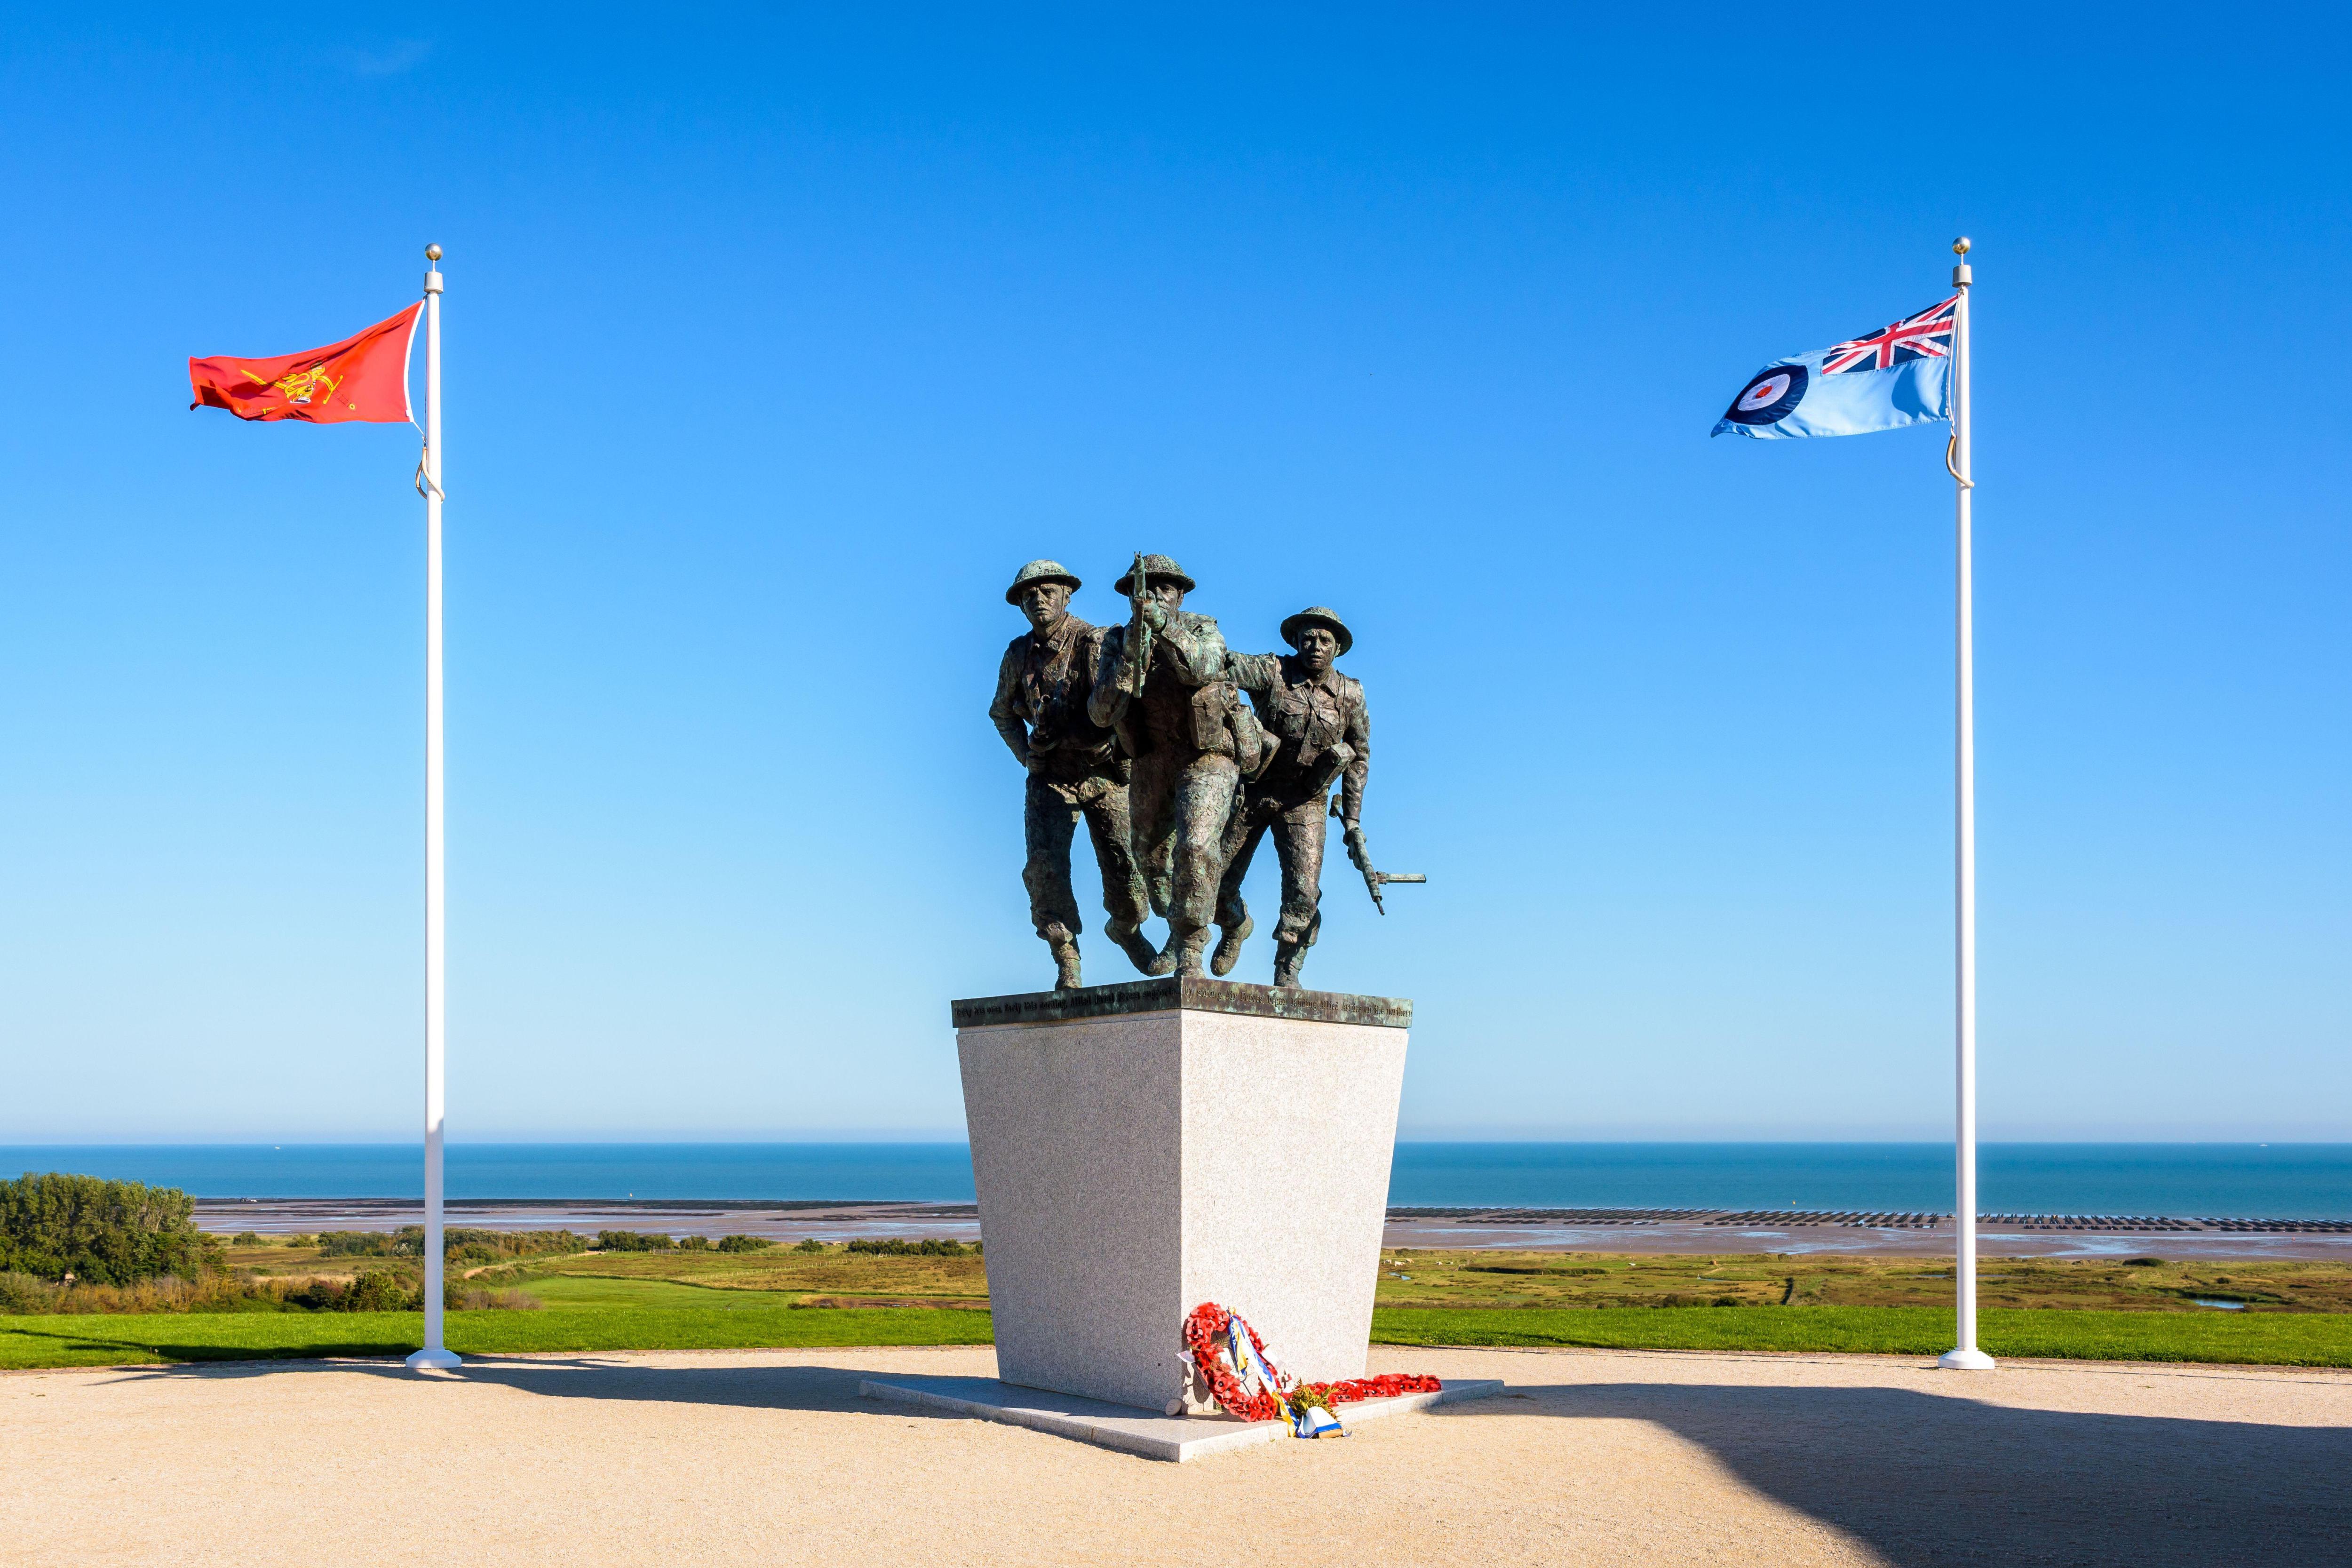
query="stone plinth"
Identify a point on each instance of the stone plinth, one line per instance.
(1142, 1147)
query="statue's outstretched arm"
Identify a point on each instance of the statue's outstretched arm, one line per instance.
(1196, 654)
(1253, 672)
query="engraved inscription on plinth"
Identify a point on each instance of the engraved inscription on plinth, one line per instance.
(1142, 1147)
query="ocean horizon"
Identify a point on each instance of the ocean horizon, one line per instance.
(2272, 1180)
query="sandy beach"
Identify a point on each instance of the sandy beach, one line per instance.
(771, 1456)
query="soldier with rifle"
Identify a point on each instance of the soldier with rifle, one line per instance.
(1319, 730)
(1162, 687)
(1043, 686)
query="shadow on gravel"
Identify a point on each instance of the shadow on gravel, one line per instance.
(751, 1386)
(1929, 1480)
(211, 1355)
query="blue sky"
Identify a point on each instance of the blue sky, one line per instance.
(777, 338)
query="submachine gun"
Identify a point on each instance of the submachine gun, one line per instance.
(1134, 660)
(1360, 856)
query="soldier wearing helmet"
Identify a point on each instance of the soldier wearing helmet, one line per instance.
(1043, 687)
(1163, 689)
(1320, 728)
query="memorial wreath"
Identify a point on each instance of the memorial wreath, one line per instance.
(1246, 1384)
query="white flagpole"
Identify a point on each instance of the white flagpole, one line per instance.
(434, 1353)
(1965, 1356)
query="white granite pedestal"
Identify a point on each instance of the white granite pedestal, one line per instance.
(1141, 1149)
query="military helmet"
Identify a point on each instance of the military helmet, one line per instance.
(1317, 615)
(1041, 572)
(1155, 569)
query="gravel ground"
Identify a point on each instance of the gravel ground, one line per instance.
(1593, 1457)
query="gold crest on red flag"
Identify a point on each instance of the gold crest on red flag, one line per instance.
(362, 378)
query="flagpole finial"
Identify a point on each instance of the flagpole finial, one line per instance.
(1960, 246)
(433, 252)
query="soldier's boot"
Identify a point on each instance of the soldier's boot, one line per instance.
(1140, 952)
(1288, 957)
(1065, 949)
(1185, 951)
(1229, 946)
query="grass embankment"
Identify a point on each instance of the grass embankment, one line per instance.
(2296, 1313)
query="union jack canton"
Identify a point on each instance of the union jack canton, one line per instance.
(1927, 335)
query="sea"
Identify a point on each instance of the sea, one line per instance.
(2269, 1181)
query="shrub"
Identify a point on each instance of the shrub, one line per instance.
(406, 1242)
(751, 1244)
(105, 1233)
(694, 1244)
(382, 1292)
(634, 1241)
(810, 1243)
(899, 1246)
(378, 1290)
(246, 1238)
(28, 1293)
(458, 1243)
(468, 1246)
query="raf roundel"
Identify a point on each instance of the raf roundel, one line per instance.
(1770, 397)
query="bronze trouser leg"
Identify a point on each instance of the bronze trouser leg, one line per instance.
(1049, 824)
(1243, 835)
(1124, 897)
(1203, 804)
(1298, 845)
(1151, 815)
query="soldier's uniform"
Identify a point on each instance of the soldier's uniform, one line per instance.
(1320, 729)
(1190, 738)
(1075, 771)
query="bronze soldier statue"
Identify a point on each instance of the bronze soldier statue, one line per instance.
(1163, 687)
(1315, 720)
(1043, 689)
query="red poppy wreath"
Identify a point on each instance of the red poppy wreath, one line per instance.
(1287, 1400)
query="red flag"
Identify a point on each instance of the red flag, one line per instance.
(364, 377)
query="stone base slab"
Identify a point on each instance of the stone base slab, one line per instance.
(1129, 1429)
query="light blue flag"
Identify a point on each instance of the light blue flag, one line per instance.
(1896, 376)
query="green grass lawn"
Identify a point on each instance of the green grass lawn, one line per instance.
(2277, 1339)
(110, 1340)
(590, 1290)
(709, 1301)
(609, 1315)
